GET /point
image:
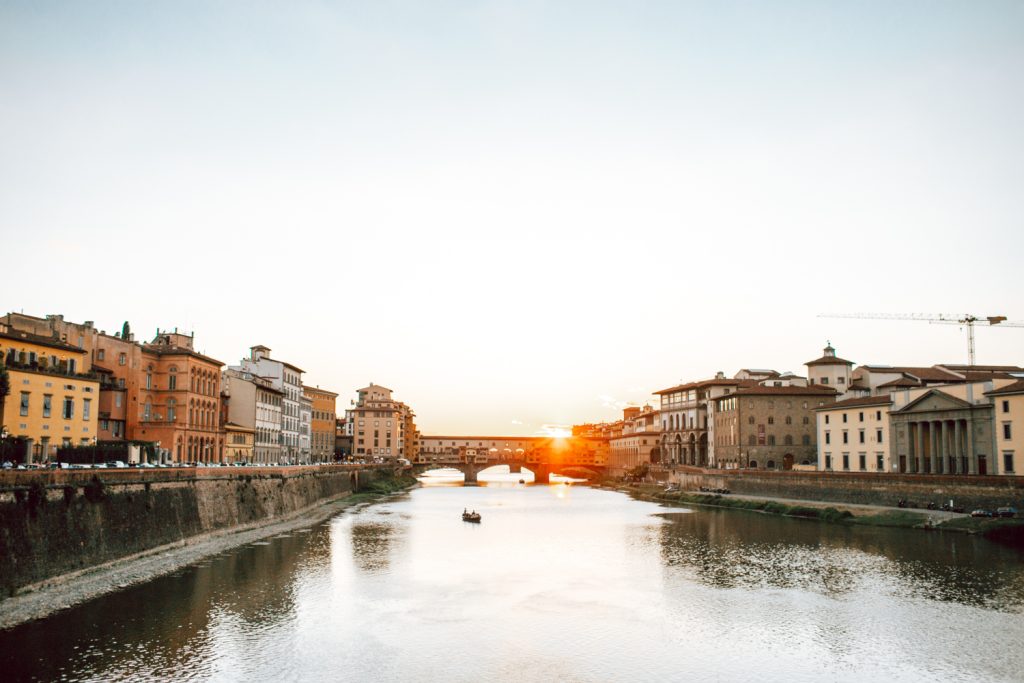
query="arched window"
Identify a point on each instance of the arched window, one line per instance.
(171, 409)
(752, 440)
(770, 464)
(172, 379)
(806, 440)
(750, 420)
(788, 440)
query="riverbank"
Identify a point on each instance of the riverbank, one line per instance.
(61, 592)
(1003, 530)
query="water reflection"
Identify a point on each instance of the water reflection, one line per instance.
(732, 549)
(558, 582)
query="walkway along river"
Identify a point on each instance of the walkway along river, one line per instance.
(557, 583)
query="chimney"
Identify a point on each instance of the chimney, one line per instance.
(720, 375)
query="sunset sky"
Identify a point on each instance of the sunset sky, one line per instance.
(518, 213)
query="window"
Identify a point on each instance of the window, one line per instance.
(828, 461)
(100, 354)
(841, 380)
(771, 419)
(771, 439)
(172, 382)
(879, 462)
(860, 416)
(1007, 432)
(844, 418)
(846, 437)
(862, 461)
(788, 440)
(1007, 461)
(806, 439)
(807, 420)
(789, 420)
(121, 358)
(72, 365)
(86, 408)
(117, 399)
(24, 403)
(826, 419)
(47, 401)
(824, 380)
(68, 411)
(147, 411)
(878, 436)
(846, 461)
(752, 440)
(860, 436)
(750, 420)
(828, 437)
(878, 414)
(149, 381)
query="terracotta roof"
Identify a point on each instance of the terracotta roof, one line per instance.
(829, 360)
(982, 368)
(815, 390)
(717, 382)
(901, 382)
(1015, 388)
(39, 339)
(928, 374)
(855, 402)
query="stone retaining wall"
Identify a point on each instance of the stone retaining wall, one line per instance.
(848, 487)
(59, 521)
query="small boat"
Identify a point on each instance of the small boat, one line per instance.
(522, 481)
(471, 517)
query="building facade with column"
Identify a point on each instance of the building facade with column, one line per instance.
(684, 419)
(947, 430)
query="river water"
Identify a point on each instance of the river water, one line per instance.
(559, 582)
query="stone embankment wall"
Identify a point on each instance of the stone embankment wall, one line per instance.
(848, 487)
(60, 521)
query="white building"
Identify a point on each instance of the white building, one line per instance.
(287, 379)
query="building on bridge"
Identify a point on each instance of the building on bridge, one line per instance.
(456, 450)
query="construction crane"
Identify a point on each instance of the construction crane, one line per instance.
(965, 320)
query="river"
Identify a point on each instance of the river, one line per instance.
(560, 582)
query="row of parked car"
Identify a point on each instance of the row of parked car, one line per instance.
(117, 464)
(1007, 512)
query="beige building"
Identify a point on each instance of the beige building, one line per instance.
(1008, 406)
(634, 440)
(238, 443)
(830, 371)
(853, 435)
(684, 417)
(381, 426)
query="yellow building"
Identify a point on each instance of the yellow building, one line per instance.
(239, 442)
(1008, 402)
(54, 397)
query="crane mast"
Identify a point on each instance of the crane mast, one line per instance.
(965, 320)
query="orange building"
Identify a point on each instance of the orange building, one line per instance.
(178, 400)
(323, 423)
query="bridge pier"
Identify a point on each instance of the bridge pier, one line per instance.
(541, 474)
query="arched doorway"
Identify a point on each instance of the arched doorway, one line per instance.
(787, 461)
(655, 455)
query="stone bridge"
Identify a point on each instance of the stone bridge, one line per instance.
(541, 471)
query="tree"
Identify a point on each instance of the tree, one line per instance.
(126, 330)
(5, 390)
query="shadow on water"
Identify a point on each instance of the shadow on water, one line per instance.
(734, 549)
(159, 625)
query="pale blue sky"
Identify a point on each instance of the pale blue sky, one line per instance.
(554, 202)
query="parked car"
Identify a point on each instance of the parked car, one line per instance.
(982, 513)
(1009, 512)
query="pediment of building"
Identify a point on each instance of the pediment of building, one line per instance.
(934, 401)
